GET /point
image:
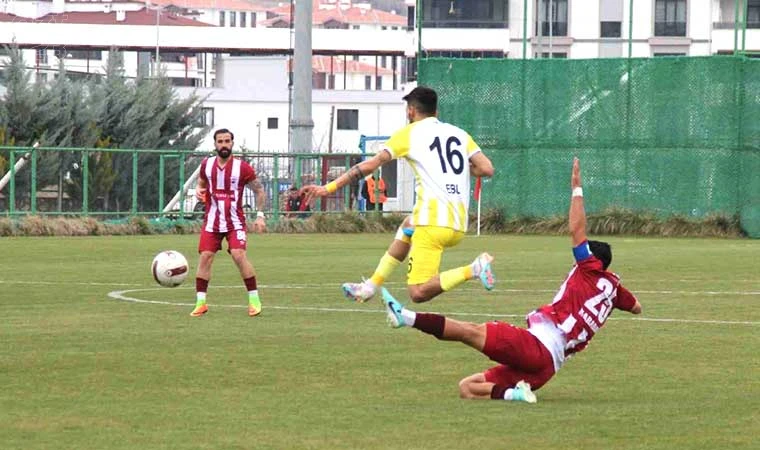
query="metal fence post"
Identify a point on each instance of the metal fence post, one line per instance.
(181, 187)
(161, 181)
(85, 181)
(34, 181)
(134, 182)
(276, 188)
(12, 188)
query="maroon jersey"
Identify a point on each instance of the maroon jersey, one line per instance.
(585, 301)
(224, 205)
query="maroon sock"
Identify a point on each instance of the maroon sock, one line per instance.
(497, 392)
(250, 283)
(201, 285)
(430, 324)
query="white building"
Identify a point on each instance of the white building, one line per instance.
(254, 102)
(582, 28)
(171, 36)
(254, 105)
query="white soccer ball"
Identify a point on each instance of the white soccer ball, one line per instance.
(169, 268)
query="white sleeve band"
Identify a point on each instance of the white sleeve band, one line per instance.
(578, 192)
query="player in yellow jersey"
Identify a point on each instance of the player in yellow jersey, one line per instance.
(443, 158)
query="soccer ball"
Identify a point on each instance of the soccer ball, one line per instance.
(169, 268)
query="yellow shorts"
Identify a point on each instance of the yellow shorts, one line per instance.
(428, 243)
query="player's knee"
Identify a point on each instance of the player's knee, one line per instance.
(238, 256)
(464, 389)
(206, 258)
(417, 295)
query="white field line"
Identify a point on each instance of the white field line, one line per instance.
(122, 295)
(334, 285)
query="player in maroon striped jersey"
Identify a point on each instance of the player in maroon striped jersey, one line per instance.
(528, 358)
(221, 183)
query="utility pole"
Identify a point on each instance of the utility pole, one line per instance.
(301, 123)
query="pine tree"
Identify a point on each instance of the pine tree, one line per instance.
(108, 112)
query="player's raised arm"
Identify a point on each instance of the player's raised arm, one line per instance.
(577, 221)
(354, 174)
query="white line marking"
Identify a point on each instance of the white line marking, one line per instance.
(121, 295)
(65, 283)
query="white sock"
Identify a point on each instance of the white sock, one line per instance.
(475, 266)
(409, 316)
(508, 394)
(200, 296)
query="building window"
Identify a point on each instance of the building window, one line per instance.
(42, 56)
(610, 30)
(670, 18)
(753, 14)
(273, 123)
(394, 28)
(477, 54)
(669, 54)
(331, 81)
(383, 62)
(207, 117)
(379, 83)
(367, 82)
(410, 68)
(233, 19)
(221, 18)
(253, 20)
(410, 18)
(348, 119)
(355, 58)
(553, 18)
(557, 55)
(464, 14)
(355, 27)
(383, 28)
(242, 20)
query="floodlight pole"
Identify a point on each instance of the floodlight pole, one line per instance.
(301, 123)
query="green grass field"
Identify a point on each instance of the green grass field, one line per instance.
(82, 370)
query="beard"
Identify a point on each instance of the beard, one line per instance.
(224, 152)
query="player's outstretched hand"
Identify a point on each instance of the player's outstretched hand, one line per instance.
(313, 191)
(575, 179)
(260, 225)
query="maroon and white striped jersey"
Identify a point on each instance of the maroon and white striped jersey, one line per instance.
(224, 202)
(580, 308)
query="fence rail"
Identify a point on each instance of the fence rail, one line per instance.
(110, 183)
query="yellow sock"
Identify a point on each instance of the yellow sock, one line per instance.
(384, 269)
(454, 277)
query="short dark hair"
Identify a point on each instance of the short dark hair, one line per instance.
(602, 251)
(423, 99)
(223, 131)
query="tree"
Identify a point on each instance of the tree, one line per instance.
(111, 111)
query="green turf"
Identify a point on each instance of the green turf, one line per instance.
(82, 371)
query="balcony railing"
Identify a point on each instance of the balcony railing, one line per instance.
(464, 23)
(670, 28)
(557, 28)
(730, 25)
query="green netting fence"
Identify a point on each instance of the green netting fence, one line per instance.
(664, 135)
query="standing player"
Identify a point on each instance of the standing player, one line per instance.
(220, 185)
(528, 358)
(443, 157)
